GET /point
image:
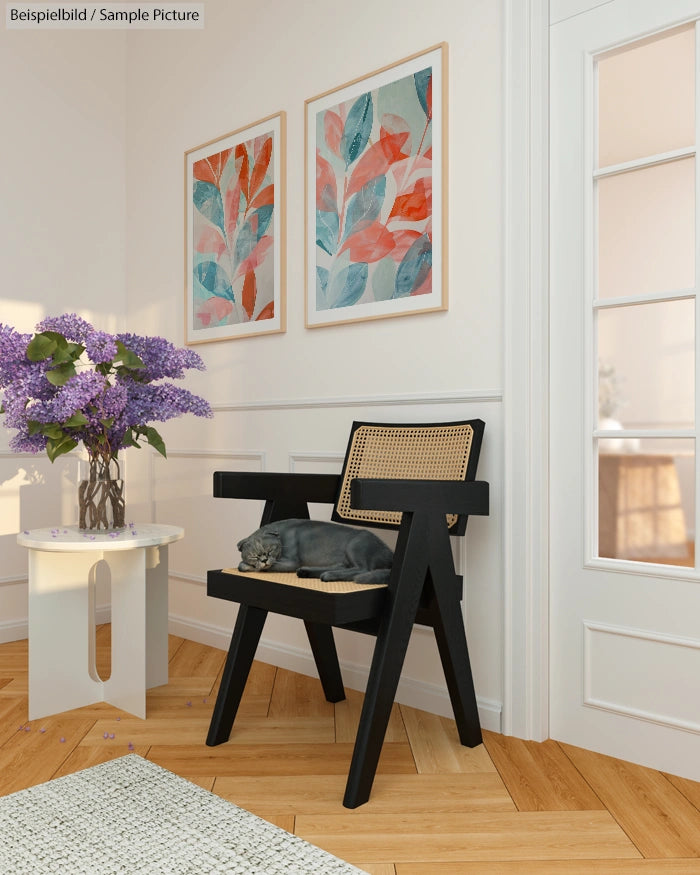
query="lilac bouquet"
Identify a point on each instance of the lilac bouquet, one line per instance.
(70, 384)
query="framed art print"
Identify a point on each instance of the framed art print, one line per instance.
(234, 234)
(376, 195)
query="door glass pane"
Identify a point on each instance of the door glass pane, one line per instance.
(646, 98)
(646, 500)
(646, 366)
(646, 230)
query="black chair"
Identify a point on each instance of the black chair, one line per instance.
(419, 479)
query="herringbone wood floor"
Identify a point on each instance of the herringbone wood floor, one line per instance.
(437, 808)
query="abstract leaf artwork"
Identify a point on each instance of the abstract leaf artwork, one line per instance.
(233, 201)
(375, 201)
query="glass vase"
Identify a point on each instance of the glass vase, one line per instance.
(101, 505)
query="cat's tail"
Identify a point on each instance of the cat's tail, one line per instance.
(379, 575)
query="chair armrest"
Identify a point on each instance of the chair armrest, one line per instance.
(440, 496)
(271, 485)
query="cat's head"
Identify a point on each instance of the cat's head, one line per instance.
(260, 551)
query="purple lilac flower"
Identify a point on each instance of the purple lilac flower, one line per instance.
(70, 325)
(160, 357)
(13, 354)
(100, 347)
(80, 391)
(162, 401)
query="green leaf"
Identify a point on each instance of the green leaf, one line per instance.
(53, 431)
(108, 423)
(128, 358)
(59, 376)
(76, 420)
(155, 440)
(41, 347)
(129, 439)
(67, 352)
(56, 448)
(34, 427)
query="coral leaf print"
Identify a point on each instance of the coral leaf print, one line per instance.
(333, 128)
(267, 312)
(243, 168)
(377, 159)
(233, 234)
(373, 194)
(414, 205)
(262, 161)
(370, 244)
(209, 169)
(249, 293)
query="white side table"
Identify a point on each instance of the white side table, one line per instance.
(62, 669)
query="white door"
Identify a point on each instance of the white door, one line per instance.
(624, 244)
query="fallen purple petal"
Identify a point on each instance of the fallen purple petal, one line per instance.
(61, 739)
(111, 735)
(105, 735)
(189, 704)
(42, 730)
(131, 745)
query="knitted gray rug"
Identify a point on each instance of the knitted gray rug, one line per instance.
(131, 816)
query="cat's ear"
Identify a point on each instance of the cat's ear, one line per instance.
(240, 543)
(274, 534)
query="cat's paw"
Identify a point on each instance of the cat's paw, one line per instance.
(243, 566)
(304, 572)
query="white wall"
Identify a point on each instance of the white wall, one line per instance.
(286, 401)
(283, 402)
(62, 239)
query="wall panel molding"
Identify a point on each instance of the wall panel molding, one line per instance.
(322, 458)
(13, 581)
(418, 399)
(649, 656)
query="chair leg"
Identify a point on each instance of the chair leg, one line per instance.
(244, 643)
(385, 671)
(326, 658)
(454, 654)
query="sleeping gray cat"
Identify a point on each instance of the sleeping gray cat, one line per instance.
(314, 548)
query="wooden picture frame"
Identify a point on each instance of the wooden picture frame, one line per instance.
(235, 234)
(376, 194)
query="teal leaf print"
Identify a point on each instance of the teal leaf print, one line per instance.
(207, 198)
(358, 127)
(214, 279)
(327, 224)
(415, 267)
(348, 286)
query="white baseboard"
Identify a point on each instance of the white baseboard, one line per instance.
(16, 630)
(417, 694)
(13, 630)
